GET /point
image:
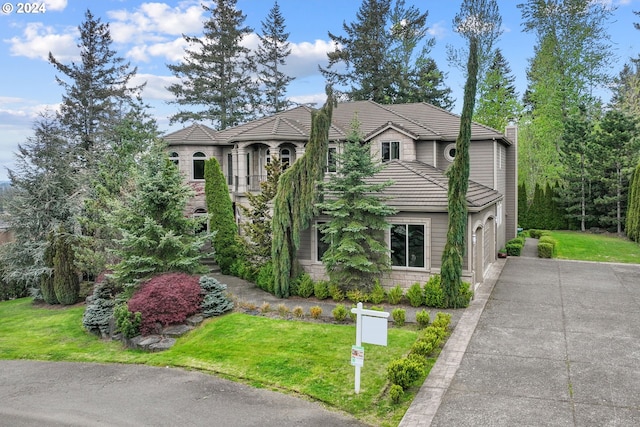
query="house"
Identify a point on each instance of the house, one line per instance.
(416, 142)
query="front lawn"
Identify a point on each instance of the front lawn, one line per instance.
(580, 246)
(311, 359)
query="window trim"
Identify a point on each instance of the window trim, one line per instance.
(198, 156)
(391, 151)
(426, 223)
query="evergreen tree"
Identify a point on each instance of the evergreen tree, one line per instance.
(497, 103)
(215, 79)
(479, 22)
(576, 172)
(46, 194)
(571, 59)
(221, 216)
(294, 204)
(626, 89)
(632, 228)
(133, 137)
(47, 289)
(363, 51)
(523, 207)
(271, 56)
(357, 253)
(615, 155)
(258, 224)
(98, 90)
(156, 235)
(66, 284)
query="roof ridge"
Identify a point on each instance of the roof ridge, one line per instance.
(422, 125)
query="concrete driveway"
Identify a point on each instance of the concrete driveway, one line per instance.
(555, 343)
(81, 394)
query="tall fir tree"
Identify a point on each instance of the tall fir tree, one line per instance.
(357, 253)
(615, 154)
(497, 103)
(271, 57)
(98, 89)
(479, 22)
(156, 236)
(294, 204)
(222, 220)
(363, 51)
(216, 77)
(257, 226)
(577, 174)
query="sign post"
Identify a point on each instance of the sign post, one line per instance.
(371, 327)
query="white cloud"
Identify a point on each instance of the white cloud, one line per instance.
(55, 5)
(316, 99)
(173, 50)
(38, 40)
(305, 57)
(437, 30)
(152, 22)
(155, 88)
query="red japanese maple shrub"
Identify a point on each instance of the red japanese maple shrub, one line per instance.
(166, 299)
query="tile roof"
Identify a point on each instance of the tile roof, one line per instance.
(421, 121)
(421, 187)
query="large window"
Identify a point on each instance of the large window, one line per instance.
(285, 158)
(390, 151)
(174, 157)
(198, 165)
(407, 245)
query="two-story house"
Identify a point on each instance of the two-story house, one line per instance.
(416, 142)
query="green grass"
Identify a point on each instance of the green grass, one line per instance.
(308, 359)
(595, 247)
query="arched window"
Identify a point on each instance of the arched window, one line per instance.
(268, 155)
(201, 214)
(173, 156)
(198, 165)
(285, 157)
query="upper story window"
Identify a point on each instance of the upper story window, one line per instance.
(408, 245)
(332, 159)
(173, 156)
(390, 151)
(450, 152)
(321, 247)
(285, 157)
(198, 165)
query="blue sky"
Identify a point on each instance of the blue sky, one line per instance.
(149, 35)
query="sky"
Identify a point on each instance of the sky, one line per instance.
(149, 36)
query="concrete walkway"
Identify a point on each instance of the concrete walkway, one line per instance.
(546, 342)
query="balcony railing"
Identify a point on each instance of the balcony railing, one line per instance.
(251, 182)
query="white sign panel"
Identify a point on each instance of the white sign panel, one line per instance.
(374, 330)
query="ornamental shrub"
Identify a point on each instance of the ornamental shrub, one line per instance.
(378, 293)
(305, 286)
(465, 294)
(265, 277)
(166, 299)
(127, 323)
(404, 372)
(442, 320)
(298, 312)
(514, 247)
(340, 312)
(100, 304)
(66, 283)
(423, 318)
(214, 298)
(395, 393)
(415, 295)
(357, 295)
(545, 250)
(395, 294)
(315, 311)
(46, 281)
(422, 347)
(336, 293)
(399, 316)
(433, 294)
(321, 289)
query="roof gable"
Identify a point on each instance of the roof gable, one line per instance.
(195, 134)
